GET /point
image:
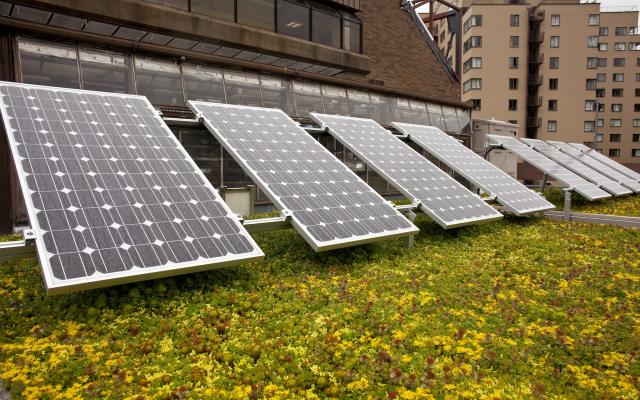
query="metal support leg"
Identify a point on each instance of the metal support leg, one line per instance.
(543, 184)
(567, 205)
(407, 242)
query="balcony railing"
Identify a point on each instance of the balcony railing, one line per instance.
(534, 101)
(536, 58)
(534, 122)
(537, 37)
(534, 80)
(536, 15)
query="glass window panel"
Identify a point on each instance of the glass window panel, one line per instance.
(30, 14)
(464, 120)
(277, 93)
(335, 100)
(129, 33)
(221, 9)
(205, 151)
(381, 108)
(359, 104)
(257, 13)
(67, 21)
(436, 116)
(293, 19)
(242, 88)
(232, 175)
(401, 110)
(100, 28)
(351, 38)
(326, 28)
(159, 81)
(181, 4)
(203, 83)
(47, 63)
(451, 119)
(376, 182)
(308, 98)
(419, 113)
(106, 71)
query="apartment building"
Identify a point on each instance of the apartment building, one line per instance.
(560, 69)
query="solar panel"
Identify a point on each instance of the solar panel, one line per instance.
(111, 194)
(606, 160)
(550, 167)
(576, 166)
(597, 165)
(440, 196)
(513, 195)
(329, 204)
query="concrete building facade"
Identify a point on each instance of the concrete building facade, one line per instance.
(560, 69)
(353, 57)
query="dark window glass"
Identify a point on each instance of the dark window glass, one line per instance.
(159, 81)
(52, 64)
(205, 151)
(277, 93)
(293, 19)
(203, 83)
(351, 35)
(106, 71)
(222, 9)
(257, 13)
(233, 175)
(326, 27)
(242, 88)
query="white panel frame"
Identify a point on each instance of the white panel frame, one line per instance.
(56, 286)
(608, 161)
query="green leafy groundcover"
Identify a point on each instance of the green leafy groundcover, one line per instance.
(625, 205)
(523, 308)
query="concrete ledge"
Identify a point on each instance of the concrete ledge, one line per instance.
(156, 18)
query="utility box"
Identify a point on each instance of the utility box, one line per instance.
(241, 200)
(503, 159)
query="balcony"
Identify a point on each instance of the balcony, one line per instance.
(534, 101)
(535, 79)
(534, 122)
(536, 58)
(537, 16)
(536, 37)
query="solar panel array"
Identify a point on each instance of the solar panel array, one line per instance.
(330, 205)
(606, 160)
(111, 194)
(440, 196)
(597, 165)
(576, 166)
(509, 192)
(550, 167)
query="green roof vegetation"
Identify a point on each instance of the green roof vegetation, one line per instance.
(521, 308)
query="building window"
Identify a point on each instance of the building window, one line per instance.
(603, 31)
(618, 77)
(47, 63)
(615, 137)
(293, 19)
(637, 80)
(636, 137)
(159, 80)
(614, 152)
(325, 25)
(600, 107)
(554, 62)
(474, 20)
(635, 153)
(553, 84)
(592, 41)
(513, 105)
(616, 107)
(552, 126)
(621, 31)
(599, 137)
(603, 46)
(594, 19)
(472, 84)
(555, 19)
(553, 105)
(472, 63)
(514, 20)
(591, 84)
(637, 92)
(589, 105)
(555, 41)
(202, 82)
(513, 83)
(602, 62)
(589, 126)
(600, 122)
(514, 41)
(636, 107)
(592, 62)
(617, 92)
(513, 121)
(618, 62)
(513, 62)
(351, 33)
(600, 92)
(601, 77)
(257, 13)
(619, 47)
(221, 9)
(476, 104)
(634, 46)
(615, 123)
(472, 42)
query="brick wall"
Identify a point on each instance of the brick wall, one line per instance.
(401, 58)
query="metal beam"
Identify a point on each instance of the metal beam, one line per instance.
(439, 16)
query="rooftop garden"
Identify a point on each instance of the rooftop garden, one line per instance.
(521, 308)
